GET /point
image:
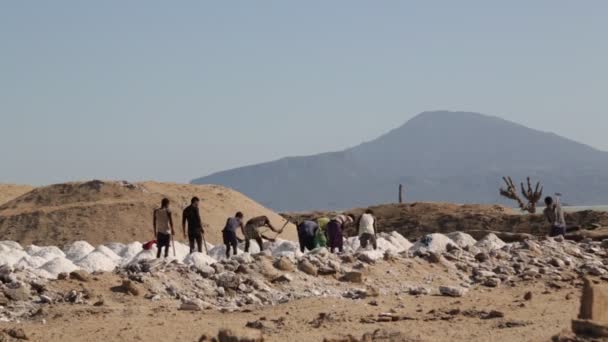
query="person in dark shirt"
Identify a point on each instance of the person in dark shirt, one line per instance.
(192, 216)
(307, 231)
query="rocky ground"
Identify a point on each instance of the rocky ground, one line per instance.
(440, 289)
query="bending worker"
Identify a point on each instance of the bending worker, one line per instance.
(253, 231)
(307, 231)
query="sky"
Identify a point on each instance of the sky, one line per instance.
(174, 90)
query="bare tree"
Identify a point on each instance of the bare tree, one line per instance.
(532, 195)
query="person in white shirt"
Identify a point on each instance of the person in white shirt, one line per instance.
(367, 229)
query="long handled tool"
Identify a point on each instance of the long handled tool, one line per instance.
(173, 244)
(205, 244)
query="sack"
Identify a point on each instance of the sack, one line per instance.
(148, 245)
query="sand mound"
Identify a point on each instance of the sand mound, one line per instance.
(101, 211)
(9, 192)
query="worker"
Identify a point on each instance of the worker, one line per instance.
(555, 215)
(367, 229)
(253, 231)
(229, 233)
(163, 227)
(307, 230)
(320, 237)
(192, 216)
(335, 229)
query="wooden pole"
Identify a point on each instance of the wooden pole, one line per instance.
(400, 193)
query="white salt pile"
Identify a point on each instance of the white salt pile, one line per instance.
(96, 261)
(463, 240)
(116, 247)
(59, 265)
(78, 250)
(435, 243)
(199, 260)
(490, 242)
(49, 261)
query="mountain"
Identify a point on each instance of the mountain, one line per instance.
(438, 156)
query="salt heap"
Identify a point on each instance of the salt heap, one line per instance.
(97, 261)
(463, 240)
(11, 245)
(397, 240)
(30, 262)
(108, 253)
(11, 256)
(116, 247)
(58, 265)
(434, 243)
(199, 260)
(78, 250)
(490, 242)
(130, 251)
(47, 252)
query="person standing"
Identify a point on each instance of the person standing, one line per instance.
(555, 215)
(229, 233)
(192, 216)
(307, 231)
(367, 229)
(253, 231)
(335, 229)
(163, 227)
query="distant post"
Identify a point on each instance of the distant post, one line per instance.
(400, 193)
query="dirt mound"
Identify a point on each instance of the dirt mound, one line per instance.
(102, 211)
(419, 219)
(9, 192)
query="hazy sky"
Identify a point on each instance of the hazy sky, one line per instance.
(173, 90)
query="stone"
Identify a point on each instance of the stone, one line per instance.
(80, 275)
(594, 302)
(284, 264)
(482, 257)
(528, 296)
(555, 262)
(308, 268)
(189, 307)
(353, 277)
(493, 314)
(16, 333)
(434, 258)
(285, 278)
(228, 280)
(419, 291)
(21, 292)
(348, 258)
(131, 288)
(452, 291)
(206, 271)
(62, 276)
(492, 282)
(589, 328)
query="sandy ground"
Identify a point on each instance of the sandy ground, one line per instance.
(431, 318)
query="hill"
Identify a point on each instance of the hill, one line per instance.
(100, 211)
(11, 191)
(439, 156)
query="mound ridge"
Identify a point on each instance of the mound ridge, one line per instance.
(102, 211)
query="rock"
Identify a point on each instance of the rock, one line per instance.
(308, 268)
(131, 288)
(528, 296)
(20, 292)
(594, 302)
(228, 336)
(482, 257)
(419, 290)
(555, 262)
(348, 258)
(285, 278)
(228, 280)
(16, 333)
(206, 271)
(284, 264)
(62, 276)
(353, 277)
(80, 275)
(434, 258)
(493, 314)
(492, 282)
(189, 307)
(452, 291)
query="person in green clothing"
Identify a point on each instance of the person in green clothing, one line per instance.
(320, 236)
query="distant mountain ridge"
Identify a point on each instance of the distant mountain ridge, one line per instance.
(438, 156)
